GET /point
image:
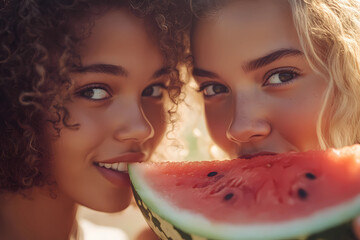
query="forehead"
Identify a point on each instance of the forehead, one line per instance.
(119, 37)
(248, 28)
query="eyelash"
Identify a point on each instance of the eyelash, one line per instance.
(207, 84)
(161, 85)
(82, 90)
(292, 70)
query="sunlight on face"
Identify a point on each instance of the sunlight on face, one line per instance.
(260, 93)
(118, 104)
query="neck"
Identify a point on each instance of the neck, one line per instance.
(36, 215)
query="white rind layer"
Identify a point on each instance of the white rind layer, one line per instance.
(198, 225)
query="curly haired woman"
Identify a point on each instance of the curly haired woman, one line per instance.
(82, 93)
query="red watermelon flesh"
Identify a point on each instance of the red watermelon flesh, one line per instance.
(263, 189)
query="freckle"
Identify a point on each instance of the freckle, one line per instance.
(302, 193)
(211, 174)
(310, 176)
(228, 196)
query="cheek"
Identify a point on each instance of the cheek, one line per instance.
(74, 145)
(218, 116)
(86, 135)
(297, 119)
(155, 114)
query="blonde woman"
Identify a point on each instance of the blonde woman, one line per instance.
(277, 75)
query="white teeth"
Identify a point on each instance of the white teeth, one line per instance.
(121, 167)
(114, 166)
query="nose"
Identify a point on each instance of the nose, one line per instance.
(249, 123)
(133, 124)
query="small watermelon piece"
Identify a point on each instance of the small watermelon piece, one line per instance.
(284, 196)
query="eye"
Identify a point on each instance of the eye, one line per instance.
(95, 93)
(212, 89)
(281, 76)
(155, 90)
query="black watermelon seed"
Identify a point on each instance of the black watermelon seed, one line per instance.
(211, 174)
(310, 176)
(302, 193)
(228, 196)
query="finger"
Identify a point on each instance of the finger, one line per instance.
(356, 225)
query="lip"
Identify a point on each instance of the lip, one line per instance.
(252, 155)
(128, 157)
(119, 179)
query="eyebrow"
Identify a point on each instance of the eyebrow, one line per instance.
(115, 70)
(254, 64)
(102, 68)
(161, 72)
(198, 72)
(271, 57)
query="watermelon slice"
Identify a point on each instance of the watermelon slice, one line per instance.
(284, 196)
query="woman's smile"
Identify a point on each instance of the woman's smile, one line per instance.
(118, 107)
(115, 169)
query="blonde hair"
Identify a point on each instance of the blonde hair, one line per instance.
(329, 32)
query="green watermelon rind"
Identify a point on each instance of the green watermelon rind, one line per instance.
(196, 224)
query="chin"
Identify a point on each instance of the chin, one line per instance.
(110, 204)
(110, 208)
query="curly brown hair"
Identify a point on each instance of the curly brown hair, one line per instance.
(37, 52)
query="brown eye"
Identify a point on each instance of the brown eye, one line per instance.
(94, 93)
(214, 89)
(281, 77)
(284, 77)
(155, 90)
